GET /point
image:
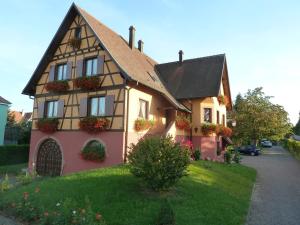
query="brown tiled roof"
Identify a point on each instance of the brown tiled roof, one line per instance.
(4, 101)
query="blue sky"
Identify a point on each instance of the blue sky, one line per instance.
(260, 39)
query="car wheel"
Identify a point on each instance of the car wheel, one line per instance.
(252, 154)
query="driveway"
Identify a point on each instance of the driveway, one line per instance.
(276, 196)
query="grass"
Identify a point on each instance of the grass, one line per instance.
(212, 193)
(12, 169)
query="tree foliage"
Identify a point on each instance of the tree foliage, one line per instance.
(297, 128)
(257, 117)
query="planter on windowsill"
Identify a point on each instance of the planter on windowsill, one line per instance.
(47, 125)
(224, 131)
(75, 42)
(93, 124)
(57, 86)
(143, 124)
(223, 100)
(87, 83)
(182, 123)
(208, 128)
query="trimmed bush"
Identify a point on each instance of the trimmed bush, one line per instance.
(227, 157)
(166, 214)
(293, 147)
(13, 154)
(93, 151)
(159, 161)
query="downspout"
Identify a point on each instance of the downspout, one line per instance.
(191, 130)
(127, 116)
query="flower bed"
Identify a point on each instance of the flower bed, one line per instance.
(223, 100)
(47, 125)
(93, 124)
(87, 83)
(223, 131)
(94, 151)
(75, 42)
(57, 86)
(143, 124)
(182, 123)
(208, 128)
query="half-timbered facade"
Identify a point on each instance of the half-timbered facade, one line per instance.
(89, 71)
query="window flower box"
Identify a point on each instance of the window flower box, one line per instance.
(208, 128)
(93, 124)
(143, 124)
(47, 125)
(75, 42)
(182, 123)
(57, 86)
(87, 83)
(224, 131)
(223, 100)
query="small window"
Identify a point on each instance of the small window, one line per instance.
(97, 106)
(218, 117)
(207, 115)
(91, 67)
(143, 109)
(61, 72)
(51, 109)
(77, 34)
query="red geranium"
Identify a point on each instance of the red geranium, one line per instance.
(57, 86)
(93, 124)
(208, 128)
(182, 123)
(47, 125)
(143, 124)
(224, 131)
(87, 83)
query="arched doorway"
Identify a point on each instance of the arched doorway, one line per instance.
(49, 159)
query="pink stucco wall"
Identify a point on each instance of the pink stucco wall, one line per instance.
(71, 143)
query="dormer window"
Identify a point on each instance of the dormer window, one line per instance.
(77, 34)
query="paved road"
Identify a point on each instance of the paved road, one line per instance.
(276, 196)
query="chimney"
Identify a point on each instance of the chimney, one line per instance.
(131, 36)
(180, 55)
(141, 46)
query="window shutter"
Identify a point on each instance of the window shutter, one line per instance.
(41, 109)
(79, 68)
(109, 105)
(83, 107)
(69, 70)
(51, 73)
(60, 108)
(100, 64)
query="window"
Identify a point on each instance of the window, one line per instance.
(91, 67)
(207, 115)
(143, 109)
(77, 34)
(51, 109)
(61, 72)
(97, 106)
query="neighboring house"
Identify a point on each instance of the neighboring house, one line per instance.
(4, 104)
(132, 86)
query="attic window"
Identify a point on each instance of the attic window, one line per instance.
(77, 34)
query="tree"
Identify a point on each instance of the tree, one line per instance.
(297, 128)
(257, 117)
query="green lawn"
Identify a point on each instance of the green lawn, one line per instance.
(213, 193)
(12, 169)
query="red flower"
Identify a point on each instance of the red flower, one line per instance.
(47, 125)
(46, 214)
(57, 86)
(37, 190)
(98, 216)
(93, 124)
(87, 83)
(182, 123)
(25, 195)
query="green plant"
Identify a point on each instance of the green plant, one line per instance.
(227, 157)
(159, 161)
(166, 214)
(143, 124)
(5, 184)
(87, 82)
(293, 147)
(208, 128)
(14, 154)
(26, 178)
(47, 125)
(94, 151)
(57, 86)
(93, 124)
(237, 157)
(183, 122)
(197, 154)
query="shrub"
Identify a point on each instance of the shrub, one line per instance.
(87, 83)
(197, 154)
(293, 147)
(57, 86)
(227, 157)
(93, 124)
(182, 122)
(13, 154)
(5, 184)
(143, 124)
(237, 157)
(166, 214)
(47, 125)
(159, 161)
(26, 178)
(208, 128)
(93, 151)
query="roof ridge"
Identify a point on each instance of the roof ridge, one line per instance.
(193, 59)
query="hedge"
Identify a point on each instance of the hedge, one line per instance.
(293, 147)
(13, 154)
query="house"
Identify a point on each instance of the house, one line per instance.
(93, 87)
(4, 104)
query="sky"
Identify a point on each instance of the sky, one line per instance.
(261, 39)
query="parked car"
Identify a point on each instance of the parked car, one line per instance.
(266, 144)
(249, 150)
